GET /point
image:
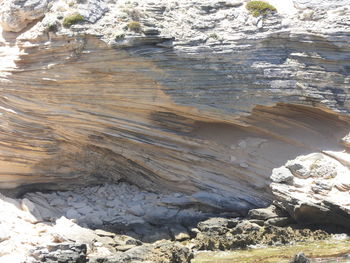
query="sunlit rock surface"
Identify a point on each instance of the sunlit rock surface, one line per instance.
(205, 101)
(317, 191)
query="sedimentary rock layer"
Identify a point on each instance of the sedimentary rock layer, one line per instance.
(210, 119)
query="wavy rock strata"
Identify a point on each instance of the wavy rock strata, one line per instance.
(206, 100)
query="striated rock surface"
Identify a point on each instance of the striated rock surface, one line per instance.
(204, 100)
(319, 190)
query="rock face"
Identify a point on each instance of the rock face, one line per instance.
(17, 14)
(204, 100)
(319, 190)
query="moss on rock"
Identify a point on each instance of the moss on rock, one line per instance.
(260, 8)
(72, 19)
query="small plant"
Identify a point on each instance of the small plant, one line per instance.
(72, 19)
(134, 26)
(260, 8)
(214, 36)
(52, 27)
(119, 36)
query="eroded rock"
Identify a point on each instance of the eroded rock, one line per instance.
(266, 213)
(15, 15)
(161, 112)
(300, 258)
(67, 253)
(319, 198)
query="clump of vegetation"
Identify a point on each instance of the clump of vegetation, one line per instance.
(260, 8)
(214, 36)
(119, 36)
(72, 19)
(134, 26)
(52, 27)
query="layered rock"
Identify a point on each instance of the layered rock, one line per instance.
(206, 105)
(314, 189)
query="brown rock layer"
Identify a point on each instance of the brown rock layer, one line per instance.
(77, 112)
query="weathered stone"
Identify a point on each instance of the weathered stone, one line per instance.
(15, 15)
(126, 240)
(73, 214)
(104, 233)
(71, 231)
(124, 247)
(282, 175)
(245, 226)
(297, 169)
(318, 199)
(219, 225)
(67, 253)
(105, 240)
(300, 258)
(280, 221)
(266, 213)
(247, 234)
(179, 233)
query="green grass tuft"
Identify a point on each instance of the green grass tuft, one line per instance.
(72, 19)
(260, 8)
(134, 26)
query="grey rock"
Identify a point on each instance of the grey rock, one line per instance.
(105, 240)
(136, 210)
(126, 240)
(79, 205)
(15, 15)
(220, 225)
(71, 231)
(298, 169)
(300, 258)
(124, 248)
(67, 253)
(104, 233)
(179, 233)
(280, 221)
(315, 200)
(266, 213)
(58, 202)
(110, 204)
(282, 175)
(85, 210)
(155, 234)
(245, 226)
(73, 214)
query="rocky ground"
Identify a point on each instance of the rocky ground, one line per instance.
(72, 227)
(123, 223)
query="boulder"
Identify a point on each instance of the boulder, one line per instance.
(218, 225)
(300, 258)
(67, 253)
(266, 213)
(321, 197)
(15, 15)
(179, 233)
